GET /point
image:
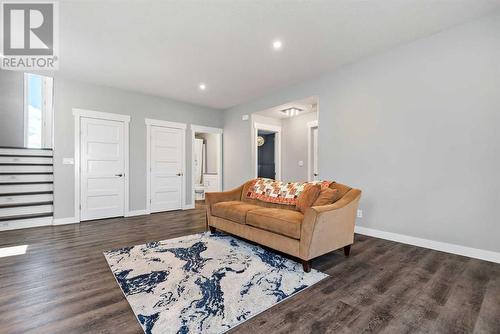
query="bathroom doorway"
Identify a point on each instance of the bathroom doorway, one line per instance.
(206, 161)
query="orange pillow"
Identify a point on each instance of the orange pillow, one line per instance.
(307, 197)
(327, 196)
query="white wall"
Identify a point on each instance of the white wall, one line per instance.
(11, 108)
(416, 128)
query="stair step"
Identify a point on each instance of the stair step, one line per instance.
(28, 187)
(27, 182)
(25, 160)
(17, 205)
(27, 193)
(29, 216)
(23, 164)
(6, 178)
(26, 210)
(29, 152)
(28, 168)
(21, 199)
(15, 155)
(25, 148)
(25, 173)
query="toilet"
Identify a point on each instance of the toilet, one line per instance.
(199, 192)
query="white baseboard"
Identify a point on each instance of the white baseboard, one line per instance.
(431, 244)
(137, 213)
(188, 207)
(64, 221)
(25, 223)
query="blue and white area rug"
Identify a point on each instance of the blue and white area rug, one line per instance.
(203, 283)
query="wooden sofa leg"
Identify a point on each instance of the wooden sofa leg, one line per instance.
(306, 265)
(212, 229)
(347, 250)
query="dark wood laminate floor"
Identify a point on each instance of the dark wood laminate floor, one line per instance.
(63, 285)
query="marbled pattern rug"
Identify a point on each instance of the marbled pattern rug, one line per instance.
(203, 283)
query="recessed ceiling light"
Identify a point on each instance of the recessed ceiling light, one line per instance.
(202, 86)
(277, 44)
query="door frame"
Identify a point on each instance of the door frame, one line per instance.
(207, 129)
(84, 113)
(277, 142)
(164, 124)
(310, 126)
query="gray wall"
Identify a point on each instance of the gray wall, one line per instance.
(73, 94)
(11, 108)
(416, 128)
(294, 149)
(70, 94)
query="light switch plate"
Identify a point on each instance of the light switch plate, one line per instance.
(244, 118)
(301, 163)
(68, 161)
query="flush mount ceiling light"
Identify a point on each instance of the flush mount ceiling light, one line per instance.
(277, 44)
(290, 112)
(202, 86)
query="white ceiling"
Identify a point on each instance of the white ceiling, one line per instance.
(167, 48)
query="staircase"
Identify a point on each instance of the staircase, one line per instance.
(26, 187)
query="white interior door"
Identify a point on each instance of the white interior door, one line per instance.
(314, 132)
(102, 179)
(167, 168)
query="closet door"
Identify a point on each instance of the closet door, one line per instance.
(102, 168)
(167, 168)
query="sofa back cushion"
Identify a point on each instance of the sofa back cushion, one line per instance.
(342, 189)
(327, 196)
(309, 196)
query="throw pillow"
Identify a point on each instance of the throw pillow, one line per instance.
(327, 196)
(308, 197)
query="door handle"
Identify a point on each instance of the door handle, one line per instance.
(119, 175)
(179, 174)
(315, 174)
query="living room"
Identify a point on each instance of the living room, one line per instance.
(204, 167)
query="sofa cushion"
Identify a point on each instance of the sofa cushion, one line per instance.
(342, 188)
(235, 211)
(307, 198)
(327, 196)
(284, 222)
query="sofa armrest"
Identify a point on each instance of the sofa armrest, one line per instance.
(329, 227)
(223, 196)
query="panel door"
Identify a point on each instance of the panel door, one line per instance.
(102, 168)
(167, 168)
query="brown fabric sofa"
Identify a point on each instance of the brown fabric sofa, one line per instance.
(320, 230)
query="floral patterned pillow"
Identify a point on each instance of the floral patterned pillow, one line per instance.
(272, 191)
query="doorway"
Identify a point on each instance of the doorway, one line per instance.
(266, 166)
(206, 161)
(293, 129)
(312, 151)
(267, 156)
